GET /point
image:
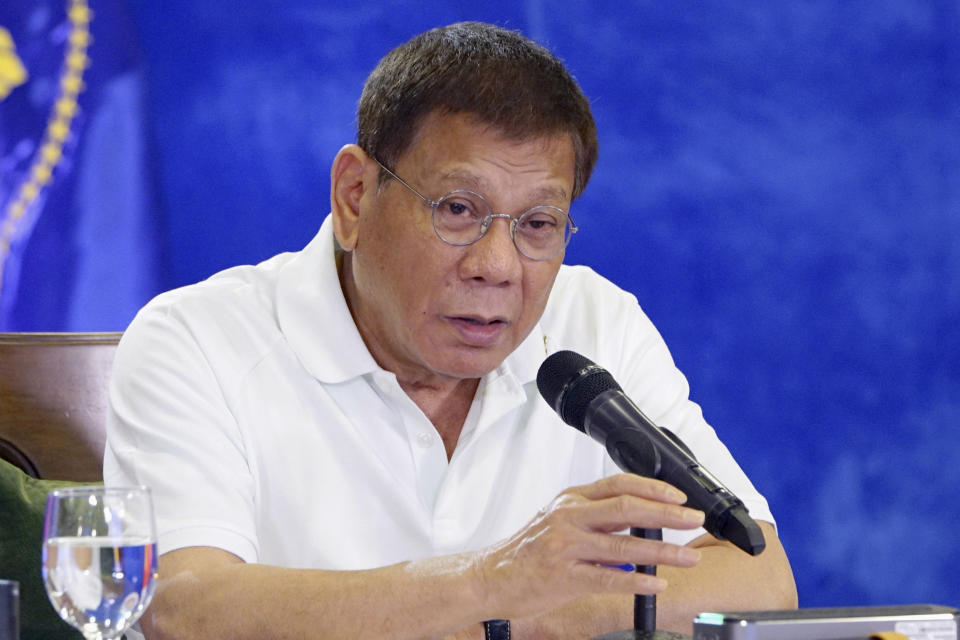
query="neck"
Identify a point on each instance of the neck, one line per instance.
(444, 400)
(446, 409)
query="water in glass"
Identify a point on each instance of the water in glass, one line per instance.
(100, 558)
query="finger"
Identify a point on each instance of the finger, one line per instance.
(609, 580)
(623, 511)
(617, 549)
(632, 484)
(613, 549)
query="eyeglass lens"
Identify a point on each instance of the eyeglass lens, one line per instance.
(462, 217)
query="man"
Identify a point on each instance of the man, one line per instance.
(347, 442)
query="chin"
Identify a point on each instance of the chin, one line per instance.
(472, 365)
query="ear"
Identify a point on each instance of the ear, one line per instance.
(350, 179)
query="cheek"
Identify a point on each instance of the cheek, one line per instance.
(537, 284)
(382, 246)
(408, 274)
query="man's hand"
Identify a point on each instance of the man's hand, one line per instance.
(556, 558)
(564, 552)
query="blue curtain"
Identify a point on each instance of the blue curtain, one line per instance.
(80, 241)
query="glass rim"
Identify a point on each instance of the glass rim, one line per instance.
(95, 489)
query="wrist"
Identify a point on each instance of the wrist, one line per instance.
(484, 593)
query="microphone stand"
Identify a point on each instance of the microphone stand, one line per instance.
(644, 605)
(646, 463)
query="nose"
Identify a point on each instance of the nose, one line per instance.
(494, 258)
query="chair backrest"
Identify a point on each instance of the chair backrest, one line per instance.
(53, 402)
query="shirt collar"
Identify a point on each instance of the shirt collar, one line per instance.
(525, 360)
(317, 324)
(314, 316)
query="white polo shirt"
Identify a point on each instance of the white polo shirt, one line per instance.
(252, 408)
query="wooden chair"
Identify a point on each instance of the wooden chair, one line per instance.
(53, 402)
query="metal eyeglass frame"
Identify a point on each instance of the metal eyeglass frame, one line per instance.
(488, 219)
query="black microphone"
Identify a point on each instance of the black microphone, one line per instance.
(588, 398)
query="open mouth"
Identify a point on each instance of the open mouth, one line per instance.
(478, 322)
(478, 331)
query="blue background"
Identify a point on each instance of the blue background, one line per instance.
(779, 184)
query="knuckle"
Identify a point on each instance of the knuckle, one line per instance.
(669, 511)
(621, 483)
(621, 546)
(674, 554)
(652, 552)
(553, 543)
(566, 498)
(561, 506)
(623, 506)
(612, 483)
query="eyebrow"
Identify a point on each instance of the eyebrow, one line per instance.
(466, 180)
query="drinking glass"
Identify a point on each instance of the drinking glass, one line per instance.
(100, 557)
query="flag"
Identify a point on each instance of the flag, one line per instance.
(79, 223)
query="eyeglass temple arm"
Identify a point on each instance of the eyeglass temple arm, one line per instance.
(426, 201)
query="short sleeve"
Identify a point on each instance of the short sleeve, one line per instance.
(169, 427)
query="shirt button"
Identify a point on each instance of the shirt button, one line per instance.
(424, 439)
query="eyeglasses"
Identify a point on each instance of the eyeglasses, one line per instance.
(463, 217)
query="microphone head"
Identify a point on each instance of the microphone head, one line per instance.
(569, 382)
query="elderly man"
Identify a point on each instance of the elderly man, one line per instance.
(347, 442)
